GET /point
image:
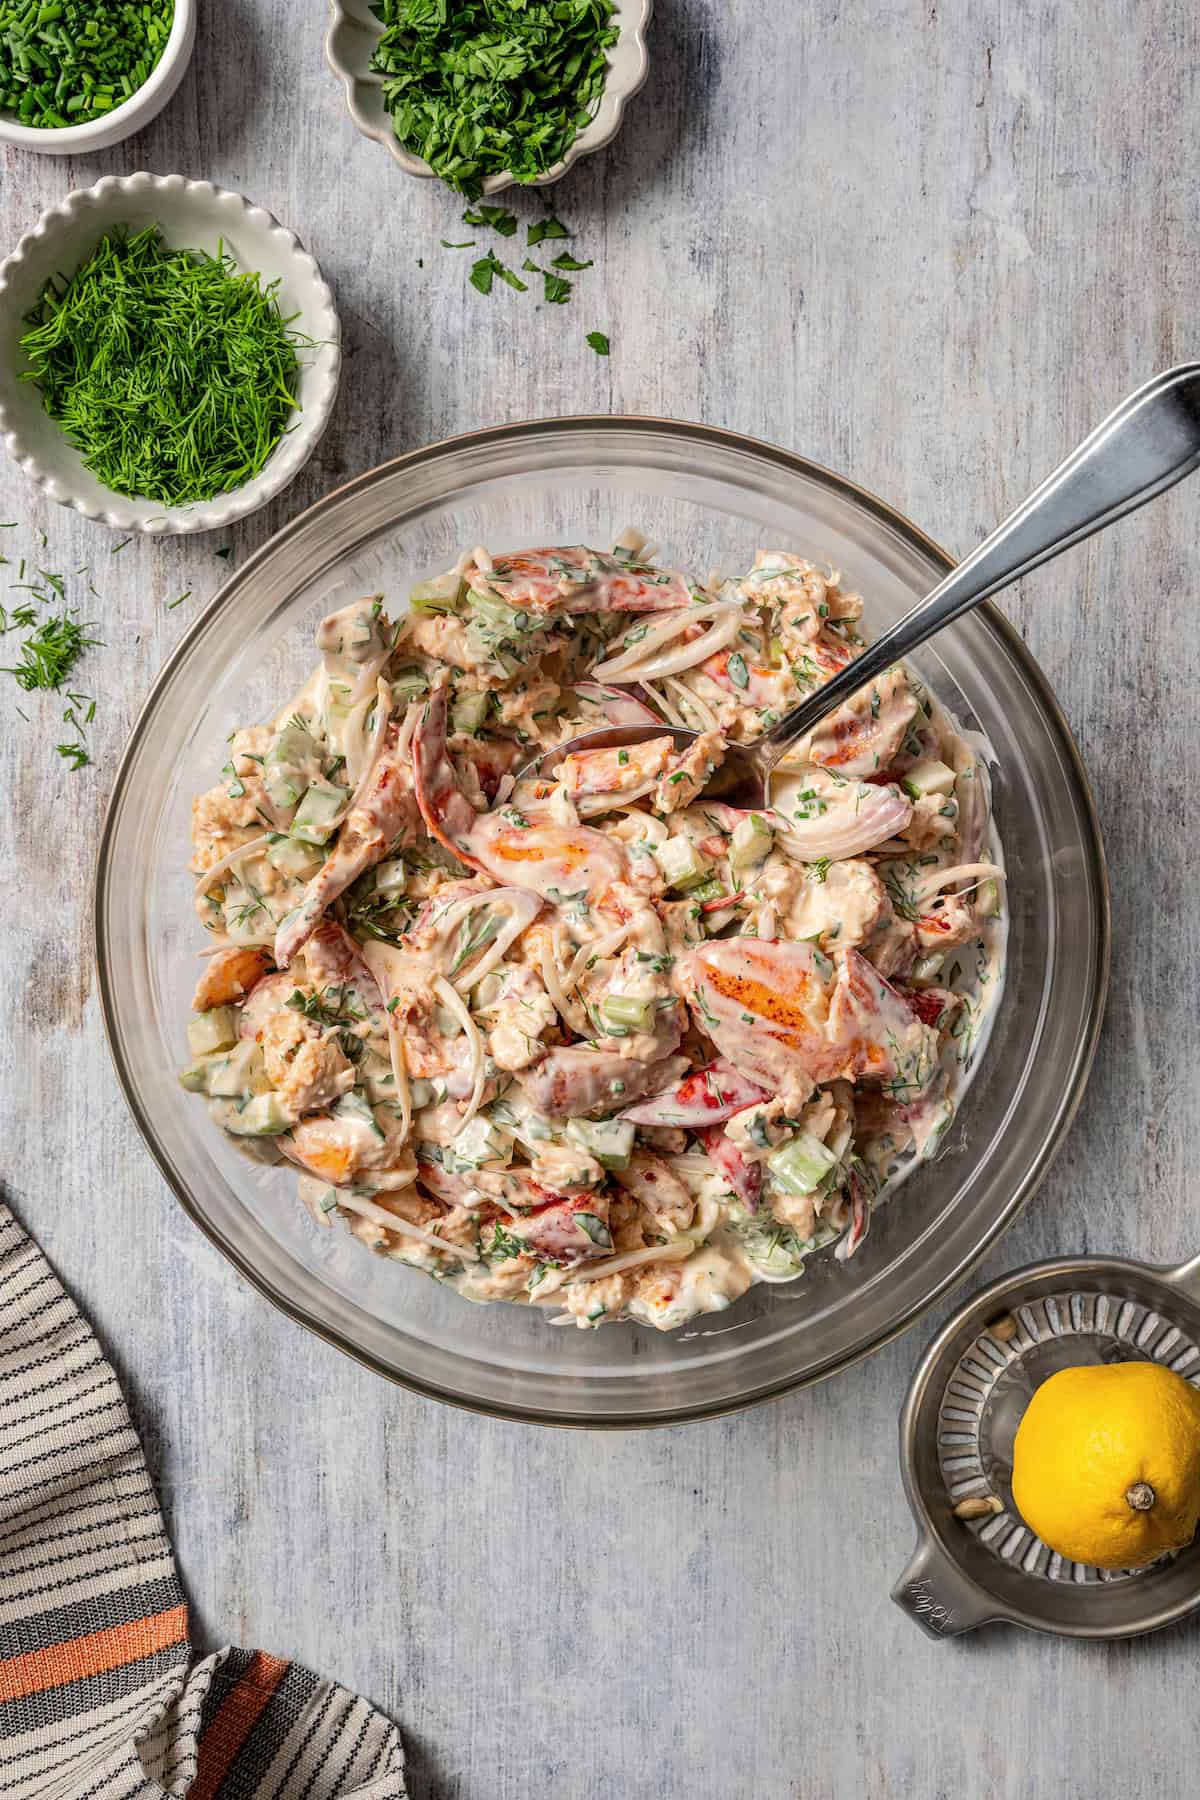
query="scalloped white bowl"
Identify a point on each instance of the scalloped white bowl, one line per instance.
(350, 44)
(194, 215)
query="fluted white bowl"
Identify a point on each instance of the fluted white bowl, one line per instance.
(197, 216)
(350, 44)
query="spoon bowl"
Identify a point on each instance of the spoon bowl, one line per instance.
(1145, 445)
(740, 781)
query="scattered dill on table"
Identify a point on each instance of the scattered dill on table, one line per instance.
(173, 375)
(47, 656)
(49, 653)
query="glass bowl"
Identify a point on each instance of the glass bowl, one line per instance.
(707, 497)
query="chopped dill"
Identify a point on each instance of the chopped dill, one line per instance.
(50, 653)
(174, 375)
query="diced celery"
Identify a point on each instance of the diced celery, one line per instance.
(750, 844)
(215, 1030)
(375, 1076)
(633, 1015)
(195, 1077)
(391, 877)
(438, 596)
(682, 865)
(709, 890)
(408, 685)
(242, 1071)
(468, 713)
(291, 857)
(927, 777)
(482, 1141)
(317, 811)
(290, 756)
(495, 613)
(354, 1107)
(488, 991)
(337, 706)
(610, 1141)
(263, 1116)
(426, 1093)
(531, 1129)
(988, 898)
(801, 1164)
(284, 785)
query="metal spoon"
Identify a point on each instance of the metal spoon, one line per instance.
(1151, 441)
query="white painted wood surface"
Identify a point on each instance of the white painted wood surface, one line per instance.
(928, 245)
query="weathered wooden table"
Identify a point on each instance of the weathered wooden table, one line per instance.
(928, 246)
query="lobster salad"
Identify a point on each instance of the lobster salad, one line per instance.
(591, 1040)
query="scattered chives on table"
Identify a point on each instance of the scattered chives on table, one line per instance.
(67, 62)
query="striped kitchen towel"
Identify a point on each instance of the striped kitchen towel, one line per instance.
(96, 1698)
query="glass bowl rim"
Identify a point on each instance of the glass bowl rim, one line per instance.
(789, 462)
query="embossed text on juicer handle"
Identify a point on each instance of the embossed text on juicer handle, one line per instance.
(1150, 442)
(938, 1596)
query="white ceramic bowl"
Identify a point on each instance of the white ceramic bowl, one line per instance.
(350, 44)
(124, 120)
(194, 215)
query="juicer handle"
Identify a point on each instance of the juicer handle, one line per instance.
(936, 1594)
(1186, 1278)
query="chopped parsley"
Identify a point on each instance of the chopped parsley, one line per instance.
(547, 228)
(497, 217)
(490, 87)
(484, 272)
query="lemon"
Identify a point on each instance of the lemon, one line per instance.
(1106, 1463)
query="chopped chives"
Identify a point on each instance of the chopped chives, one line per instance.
(66, 62)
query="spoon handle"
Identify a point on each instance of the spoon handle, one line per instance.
(1151, 441)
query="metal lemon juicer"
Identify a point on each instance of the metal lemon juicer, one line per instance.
(976, 1560)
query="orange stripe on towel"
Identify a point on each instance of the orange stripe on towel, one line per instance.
(37, 1670)
(236, 1718)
